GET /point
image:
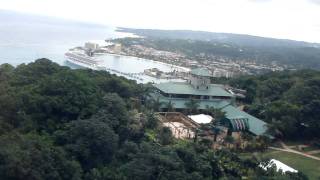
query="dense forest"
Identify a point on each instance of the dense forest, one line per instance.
(60, 123)
(234, 46)
(289, 101)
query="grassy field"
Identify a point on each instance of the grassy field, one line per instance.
(308, 166)
(306, 149)
(294, 143)
(317, 155)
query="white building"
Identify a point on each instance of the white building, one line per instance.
(91, 46)
(221, 73)
(117, 48)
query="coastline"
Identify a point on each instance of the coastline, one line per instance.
(163, 63)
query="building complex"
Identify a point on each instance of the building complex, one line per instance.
(199, 88)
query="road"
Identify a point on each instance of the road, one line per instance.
(285, 148)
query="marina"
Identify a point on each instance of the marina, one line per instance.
(30, 43)
(127, 66)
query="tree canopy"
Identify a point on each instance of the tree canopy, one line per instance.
(290, 99)
(62, 123)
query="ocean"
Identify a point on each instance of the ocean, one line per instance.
(25, 38)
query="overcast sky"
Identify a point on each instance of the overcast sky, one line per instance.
(292, 19)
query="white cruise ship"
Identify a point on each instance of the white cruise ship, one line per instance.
(81, 59)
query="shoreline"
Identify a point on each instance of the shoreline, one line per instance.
(160, 62)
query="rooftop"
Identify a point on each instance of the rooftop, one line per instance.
(256, 126)
(185, 88)
(179, 103)
(201, 72)
(201, 118)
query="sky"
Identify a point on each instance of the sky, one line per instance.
(285, 19)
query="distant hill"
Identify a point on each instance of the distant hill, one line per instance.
(297, 54)
(238, 39)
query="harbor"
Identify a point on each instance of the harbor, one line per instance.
(127, 66)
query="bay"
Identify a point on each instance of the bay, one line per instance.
(25, 38)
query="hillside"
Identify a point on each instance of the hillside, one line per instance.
(289, 101)
(295, 54)
(59, 123)
(238, 39)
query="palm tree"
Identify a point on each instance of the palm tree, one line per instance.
(218, 114)
(209, 109)
(192, 106)
(157, 104)
(170, 106)
(146, 90)
(216, 131)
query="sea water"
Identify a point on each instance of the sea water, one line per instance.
(25, 38)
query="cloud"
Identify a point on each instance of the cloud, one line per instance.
(315, 1)
(260, 1)
(291, 19)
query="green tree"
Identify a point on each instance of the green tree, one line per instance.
(192, 106)
(113, 111)
(170, 106)
(92, 142)
(152, 121)
(57, 99)
(218, 115)
(157, 104)
(273, 129)
(32, 157)
(165, 136)
(287, 114)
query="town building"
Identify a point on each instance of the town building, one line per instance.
(117, 48)
(198, 87)
(91, 46)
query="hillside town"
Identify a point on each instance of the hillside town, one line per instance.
(219, 66)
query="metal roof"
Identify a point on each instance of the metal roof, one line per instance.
(180, 103)
(239, 124)
(256, 126)
(201, 72)
(185, 88)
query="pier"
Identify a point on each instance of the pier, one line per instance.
(131, 75)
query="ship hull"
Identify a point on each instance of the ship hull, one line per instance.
(82, 65)
(83, 61)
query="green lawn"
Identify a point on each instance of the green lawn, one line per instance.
(294, 143)
(310, 148)
(306, 149)
(308, 166)
(317, 155)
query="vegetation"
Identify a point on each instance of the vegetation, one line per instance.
(192, 106)
(294, 54)
(59, 123)
(308, 166)
(289, 101)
